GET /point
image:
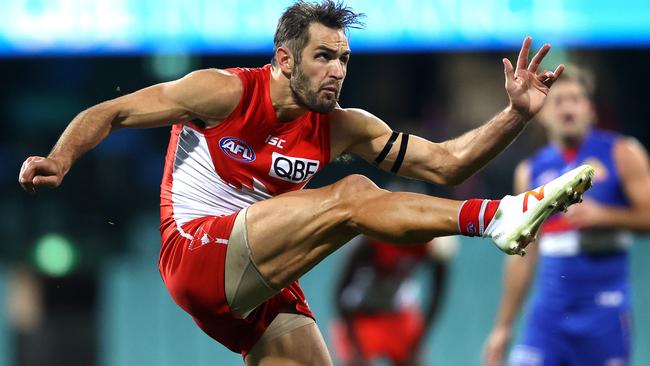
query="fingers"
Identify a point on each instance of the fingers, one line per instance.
(37, 171)
(508, 70)
(545, 76)
(558, 71)
(27, 173)
(548, 78)
(522, 60)
(43, 181)
(539, 56)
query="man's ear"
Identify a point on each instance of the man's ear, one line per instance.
(284, 59)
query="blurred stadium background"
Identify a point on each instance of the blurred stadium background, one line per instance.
(78, 275)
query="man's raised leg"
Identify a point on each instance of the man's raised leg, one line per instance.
(291, 233)
(274, 242)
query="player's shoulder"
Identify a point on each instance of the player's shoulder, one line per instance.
(356, 121)
(522, 176)
(213, 78)
(628, 147)
(346, 115)
(523, 165)
(356, 118)
(212, 94)
(523, 169)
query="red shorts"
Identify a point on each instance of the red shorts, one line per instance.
(193, 272)
(391, 335)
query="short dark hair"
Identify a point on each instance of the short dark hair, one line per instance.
(582, 76)
(294, 23)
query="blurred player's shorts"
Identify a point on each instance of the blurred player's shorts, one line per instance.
(392, 335)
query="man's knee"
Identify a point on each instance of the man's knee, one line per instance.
(352, 193)
(355, 188)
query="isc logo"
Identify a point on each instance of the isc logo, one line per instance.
(292, 169)
(237, 149)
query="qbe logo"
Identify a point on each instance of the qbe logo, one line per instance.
(237, 149)
(295, 170)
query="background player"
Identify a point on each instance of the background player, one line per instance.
(580, 312)
(231, 253)
(379, 301)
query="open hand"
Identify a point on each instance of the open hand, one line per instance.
(526, 88)
(38, 172)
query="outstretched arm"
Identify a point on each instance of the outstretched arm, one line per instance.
(209, 95)
(453, 161)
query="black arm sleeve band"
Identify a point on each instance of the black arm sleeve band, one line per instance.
(404, 143)
(384, 152)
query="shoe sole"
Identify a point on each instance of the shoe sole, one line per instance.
(560, 201)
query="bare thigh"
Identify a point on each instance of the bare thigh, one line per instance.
(291, 233)
(303, 346)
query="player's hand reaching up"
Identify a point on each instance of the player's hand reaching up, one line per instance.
(39, 172)
(527, 88)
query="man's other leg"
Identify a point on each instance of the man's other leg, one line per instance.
(290, 340)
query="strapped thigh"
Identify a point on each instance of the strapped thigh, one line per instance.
(300, 348)
(281, 325)
(244, 285)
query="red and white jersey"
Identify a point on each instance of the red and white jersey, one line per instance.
(249, 157)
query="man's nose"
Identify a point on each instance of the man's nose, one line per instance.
(337, 71)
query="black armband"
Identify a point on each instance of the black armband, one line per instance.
(404, 143)
(384, 152)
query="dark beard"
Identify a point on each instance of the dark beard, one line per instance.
(305, 97)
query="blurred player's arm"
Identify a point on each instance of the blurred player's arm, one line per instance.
(634, 171)
(452, 161)
(359, 252)
(441, 251)
(517, 277)
(208, 95)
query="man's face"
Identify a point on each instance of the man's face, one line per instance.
(317, 80)
(568, 112)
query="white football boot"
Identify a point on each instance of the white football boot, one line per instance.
(518, 218)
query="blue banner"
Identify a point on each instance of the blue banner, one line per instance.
(36, 27)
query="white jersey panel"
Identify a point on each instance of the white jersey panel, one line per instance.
(572, 243)
(197, 188)
(563, 244)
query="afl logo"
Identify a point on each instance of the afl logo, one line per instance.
(237, 149)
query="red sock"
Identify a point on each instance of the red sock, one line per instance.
(475, 215)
